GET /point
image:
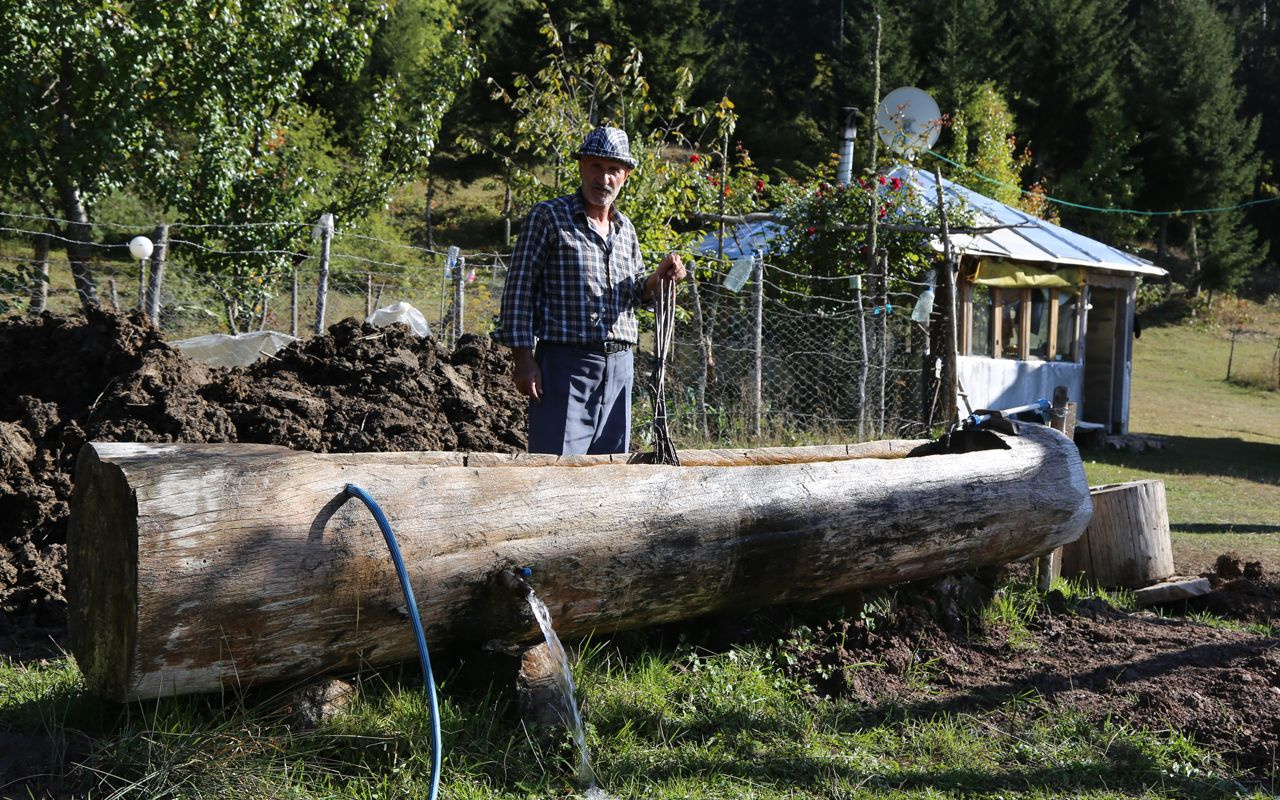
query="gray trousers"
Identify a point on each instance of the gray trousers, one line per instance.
(586, 401)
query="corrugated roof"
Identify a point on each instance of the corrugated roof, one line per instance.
(1032, 240)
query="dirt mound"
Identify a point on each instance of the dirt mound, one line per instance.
(1161, 673)
(109, 377)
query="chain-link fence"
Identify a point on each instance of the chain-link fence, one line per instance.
(755, 363)
(756, 366)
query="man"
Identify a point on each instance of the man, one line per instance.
(568, 309)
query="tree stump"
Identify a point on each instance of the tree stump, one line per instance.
(1127, 542)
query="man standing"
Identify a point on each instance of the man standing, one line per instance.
(568, 308)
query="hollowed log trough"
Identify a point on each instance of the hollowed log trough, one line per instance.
(197, 567)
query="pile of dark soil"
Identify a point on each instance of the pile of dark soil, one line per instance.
(66, 380)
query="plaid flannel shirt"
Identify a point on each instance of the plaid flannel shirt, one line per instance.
(568, 284)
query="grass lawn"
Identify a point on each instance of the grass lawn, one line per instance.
(1221, 462)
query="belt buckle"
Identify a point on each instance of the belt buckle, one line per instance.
(611, 347)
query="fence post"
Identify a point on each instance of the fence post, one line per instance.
(865, 361)
(885, 308)
(40, 283)
(1231, 356)
(704, 352)
(949, 282)
(323, 231)
(142, 286)
(158, 258)
(368, 294)
(459, 283)
(759, 348)
(293, 305)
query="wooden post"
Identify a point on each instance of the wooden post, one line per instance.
(158, 261)
(758, 368)
(949, 282)
(1062, 417)
(459, 283)
(864, 364)
(884, 339)
(293, 304)
(1127, 542)
(704, 353)
(368, 295)
(322, 284)
(39, 290)
(142, 286)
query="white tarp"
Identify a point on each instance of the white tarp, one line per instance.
(401, 312)
(240, 350)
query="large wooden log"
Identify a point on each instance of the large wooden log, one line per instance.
(192, 567)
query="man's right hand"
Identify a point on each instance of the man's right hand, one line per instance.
(527, 374)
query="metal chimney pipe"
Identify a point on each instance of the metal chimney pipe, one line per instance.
(844, 171)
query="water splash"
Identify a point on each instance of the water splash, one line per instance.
(568, 696)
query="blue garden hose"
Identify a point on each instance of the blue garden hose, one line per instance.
(355, 491)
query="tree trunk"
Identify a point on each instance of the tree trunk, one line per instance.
(158, 259)
(193, 567)
(79, 243)
(1127, 542)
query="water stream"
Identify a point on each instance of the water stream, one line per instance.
(568, 695)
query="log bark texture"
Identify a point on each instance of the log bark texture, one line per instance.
(1126, 545)
(194, 567)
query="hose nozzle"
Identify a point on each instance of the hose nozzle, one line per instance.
(517, 583)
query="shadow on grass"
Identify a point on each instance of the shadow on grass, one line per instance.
(1190, 455)
(1218, 527)
(713, 753)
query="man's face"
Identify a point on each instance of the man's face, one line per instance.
(602, 179)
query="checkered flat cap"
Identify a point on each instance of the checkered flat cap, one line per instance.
(605, 142)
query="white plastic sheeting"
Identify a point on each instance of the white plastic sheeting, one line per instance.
(1007, 383)
(404, 313)
(240, 350)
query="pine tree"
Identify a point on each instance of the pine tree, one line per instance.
(1198, 148)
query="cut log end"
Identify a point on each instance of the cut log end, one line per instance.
(102, 562)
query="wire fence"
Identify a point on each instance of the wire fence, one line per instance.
(765, 356)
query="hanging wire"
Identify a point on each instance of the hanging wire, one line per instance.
(664, 315)
(1099, 209)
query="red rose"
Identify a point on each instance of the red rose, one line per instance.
(759, 185)
(895, 184)
(881, 180)
(694, 159)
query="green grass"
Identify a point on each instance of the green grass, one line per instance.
(1221, 462)
(661, 725)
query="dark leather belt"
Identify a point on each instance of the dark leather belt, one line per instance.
(607, 348)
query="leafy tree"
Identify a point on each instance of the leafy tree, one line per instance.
(983, 143)
(199, 101)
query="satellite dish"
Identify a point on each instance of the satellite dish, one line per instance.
(908, 121)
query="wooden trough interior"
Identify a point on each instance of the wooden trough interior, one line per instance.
(194, 567)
